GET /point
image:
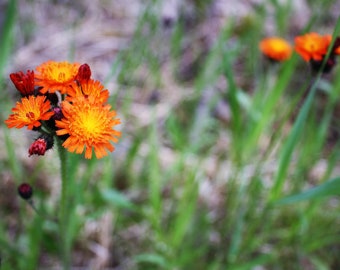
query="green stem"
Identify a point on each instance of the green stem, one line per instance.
(65, 209)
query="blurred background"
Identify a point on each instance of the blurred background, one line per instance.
(203, 153)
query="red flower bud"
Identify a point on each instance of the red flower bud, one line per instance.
(25, 191)
(84, 73)
(24, 83)
(40, 145)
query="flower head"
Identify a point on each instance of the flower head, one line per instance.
(29, 112)
(89, 89)
(276, 48)
(24, 83)
(89, 125)
(312, 46)
(56, 76)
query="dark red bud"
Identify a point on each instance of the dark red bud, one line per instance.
(24, 83)
(41, 145)
(84, 73)
(25, 191)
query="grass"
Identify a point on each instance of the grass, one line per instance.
(189, 186)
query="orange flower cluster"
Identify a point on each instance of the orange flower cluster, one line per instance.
(312, 47)
(61, 100)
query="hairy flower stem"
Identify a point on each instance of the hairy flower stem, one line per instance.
(65, 209)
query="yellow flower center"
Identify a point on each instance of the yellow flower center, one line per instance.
(31, 110)
(61, 74)
(313, 44)
(88, 124)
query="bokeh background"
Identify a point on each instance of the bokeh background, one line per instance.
(194, 179)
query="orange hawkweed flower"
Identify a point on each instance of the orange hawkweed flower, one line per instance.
(30, 112)
(276, 48)
(88, 88)
(56, 76)
(89, 125)
(312, 46)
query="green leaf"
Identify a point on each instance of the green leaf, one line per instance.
(329, 188)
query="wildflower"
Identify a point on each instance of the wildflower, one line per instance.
(25, 191)
(88, 88)
(276, 48)
(24, 83)
(69, 104)
(41, 145)
(56, 76)
(312, 46)
(29, 112)
(88, 124)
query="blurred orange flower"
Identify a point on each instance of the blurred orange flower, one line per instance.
(276, 48)
(89, 125)
(56, 76)
(30, 112)
(312, 46)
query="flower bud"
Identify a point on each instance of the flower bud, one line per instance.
(58, 114)
(24, 83)
(25, 191)
(41, 145)
(84, 73)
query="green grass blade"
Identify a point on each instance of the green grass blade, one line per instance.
(255, 129)
(288, 147)
(7, 33)
(329, 188)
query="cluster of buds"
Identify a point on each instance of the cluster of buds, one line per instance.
(312, 47)
(61, 100)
